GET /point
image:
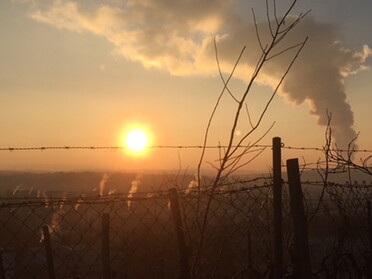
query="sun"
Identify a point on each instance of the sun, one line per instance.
(136, 140)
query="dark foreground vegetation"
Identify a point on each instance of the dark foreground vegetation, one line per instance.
(141, 233)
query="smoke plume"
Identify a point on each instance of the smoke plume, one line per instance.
(16, 190)
(193, 184)
(102, 184)
(79, 202)
(133, 189)
(178, 36)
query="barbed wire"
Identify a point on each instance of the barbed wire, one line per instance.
(42, 148)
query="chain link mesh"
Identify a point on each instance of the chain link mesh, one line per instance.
(143, 244)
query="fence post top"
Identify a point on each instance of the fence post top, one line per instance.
(292, 161)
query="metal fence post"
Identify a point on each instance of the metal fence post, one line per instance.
(277, 208)
(301, 242)
(180, 233)
(106, 270)
(48, 252)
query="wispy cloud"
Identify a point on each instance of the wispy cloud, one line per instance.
(177, 36)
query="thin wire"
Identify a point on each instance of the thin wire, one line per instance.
(42, 148)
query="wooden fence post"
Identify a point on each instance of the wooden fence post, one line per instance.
(302, 261)
(180, 233)
(250, 258)
(369, 230)
(106, 270)
(369, 223)
(277, 208)
(2, 269)
(48, 252)
(161, 268)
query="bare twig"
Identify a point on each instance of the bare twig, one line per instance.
(283, 51)
(268, 18)
(249, 115)
(263, 49)
(220, 72)
(213, 113)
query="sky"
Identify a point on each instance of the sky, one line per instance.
(83, 73)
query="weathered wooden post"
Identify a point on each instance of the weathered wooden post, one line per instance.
(250, 258)
(180, 233)
(106, 270)
(301, 242)
(369, 222)
(277, 208)
(161, 268)
(48, 252)
(369, 229)
(2, 269)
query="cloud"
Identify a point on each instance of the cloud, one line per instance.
(177, 36)
(162, 34)
(63, 15)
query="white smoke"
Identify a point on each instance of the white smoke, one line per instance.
(133, 189)
(111, 192)
(63, 201)
(177, 36)
(193, 184)
(46, 199)
(79, 202)
(16, 190)
(30, 192)
(102, 184)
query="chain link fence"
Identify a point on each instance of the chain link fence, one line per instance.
(143, 242)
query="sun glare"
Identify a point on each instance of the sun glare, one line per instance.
(136, 140)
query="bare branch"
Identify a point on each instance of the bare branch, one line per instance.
(282, 22)
(213, 165)
(213, 113)
(248, 114)
(294, 23)
(275, 15)
(249, 133)
(220, 72)
(283, 51)
(268, 18)
(273, 94)
(257, 33)
(248, 162)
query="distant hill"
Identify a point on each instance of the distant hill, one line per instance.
(94, 183)
(83, 182)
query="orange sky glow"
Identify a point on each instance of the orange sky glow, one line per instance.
(86, 73)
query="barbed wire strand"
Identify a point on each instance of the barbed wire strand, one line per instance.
(42, 148)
